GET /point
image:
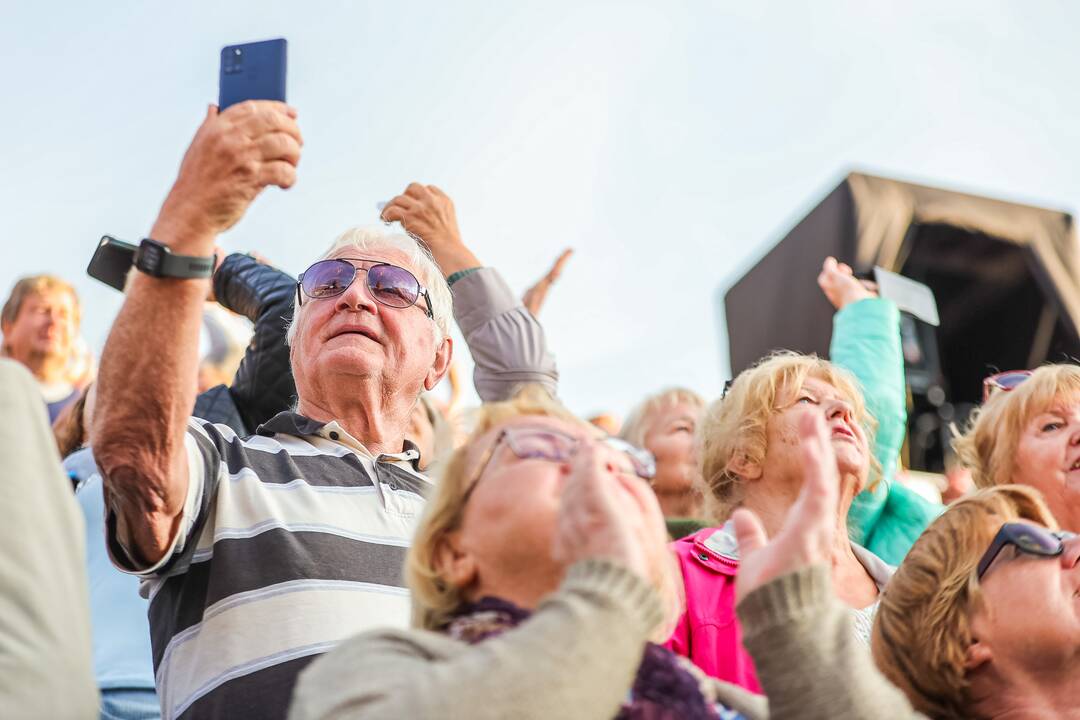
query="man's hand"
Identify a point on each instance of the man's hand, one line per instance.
(810, 526)
(428, 213)
(840, 285)
(234, 155)
(534, 297)
(606, 511)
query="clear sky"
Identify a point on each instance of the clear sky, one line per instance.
(670, 143)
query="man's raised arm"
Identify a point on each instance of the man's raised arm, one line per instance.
(147, 379)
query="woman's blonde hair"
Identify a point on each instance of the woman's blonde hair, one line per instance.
(735, 426)
(434, 599)
(923, 626)
(988, 447)
(640, 420)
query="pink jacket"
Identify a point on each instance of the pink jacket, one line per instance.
(708, 632)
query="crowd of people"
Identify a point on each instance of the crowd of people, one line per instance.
(320, 536)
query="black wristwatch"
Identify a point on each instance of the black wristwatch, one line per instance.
(156, 260)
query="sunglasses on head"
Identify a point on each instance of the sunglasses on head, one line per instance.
(1026, 538)
(390, 285)
(1005, 381)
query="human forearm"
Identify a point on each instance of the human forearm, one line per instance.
(806, 655)
(146, 389)
(575, 657)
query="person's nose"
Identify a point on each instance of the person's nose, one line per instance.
(839, 409)
(357, 296)
(1070, 554)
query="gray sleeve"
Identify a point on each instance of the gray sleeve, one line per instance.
(507, 343)
(575, 658)
(45, 657)
(807, 657)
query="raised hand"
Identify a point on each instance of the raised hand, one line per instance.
(840, 285)
(428, 213)
(534, 297)
(234, 155)
(606, 511)
(809, 529)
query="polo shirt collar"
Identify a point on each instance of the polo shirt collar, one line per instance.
(293, 423)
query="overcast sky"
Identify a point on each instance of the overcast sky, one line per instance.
(670, 143)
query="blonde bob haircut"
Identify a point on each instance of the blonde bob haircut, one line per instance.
(735, 426)
(923, 626)
(988, 448)
(641, 419)
(434, 600)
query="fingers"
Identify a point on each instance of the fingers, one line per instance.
(821, 483)
(279, 146)
(260, 117)
(560, 263)
(749, 532)
(417, 191)
(277, 172)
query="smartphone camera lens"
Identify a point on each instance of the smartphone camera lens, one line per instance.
(233, 60)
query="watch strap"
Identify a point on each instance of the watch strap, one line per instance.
(156, 259)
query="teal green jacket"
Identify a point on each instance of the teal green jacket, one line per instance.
(866, 341)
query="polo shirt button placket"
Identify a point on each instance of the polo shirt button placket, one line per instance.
(334, 435)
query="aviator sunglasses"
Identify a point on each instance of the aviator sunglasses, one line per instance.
(1028, 539)
(390, 285)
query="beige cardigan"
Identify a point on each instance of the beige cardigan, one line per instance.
(577, 655)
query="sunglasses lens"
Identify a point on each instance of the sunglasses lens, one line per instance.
(327, 278)
(530, 444)
(644, 464)
(1008, 381)
(393, 286)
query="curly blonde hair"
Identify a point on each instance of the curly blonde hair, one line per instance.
(735, 426)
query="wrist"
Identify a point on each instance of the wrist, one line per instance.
(455, 259)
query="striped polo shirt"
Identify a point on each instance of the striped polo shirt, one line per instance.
(290, 541)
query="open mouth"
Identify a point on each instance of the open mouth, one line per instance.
(355, 331)
(843, 432)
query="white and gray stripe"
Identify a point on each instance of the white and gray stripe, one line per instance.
(292, 542)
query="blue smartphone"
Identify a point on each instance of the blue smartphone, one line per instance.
(253, 71)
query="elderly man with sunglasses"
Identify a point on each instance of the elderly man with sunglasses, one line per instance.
(258, 554)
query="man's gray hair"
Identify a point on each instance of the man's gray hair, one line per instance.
(368, 241)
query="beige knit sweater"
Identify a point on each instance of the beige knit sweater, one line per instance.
(576, 657)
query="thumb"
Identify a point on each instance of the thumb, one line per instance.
(211, 112)
(748, 531)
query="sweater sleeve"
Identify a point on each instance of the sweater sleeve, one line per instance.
(808, 660)
(507, 343)
(575, 657)
(866, 342)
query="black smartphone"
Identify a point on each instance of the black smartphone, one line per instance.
(252, 71)
(111, 262)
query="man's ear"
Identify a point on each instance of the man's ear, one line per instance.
(439, 367)
(455, 564)
(977, 655)
(744, 467)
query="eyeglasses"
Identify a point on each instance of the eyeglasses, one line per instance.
(529, 443)
(1004, 381)
(390, 285)
(1026, 538)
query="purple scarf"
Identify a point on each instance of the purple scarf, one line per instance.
(662, 690)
